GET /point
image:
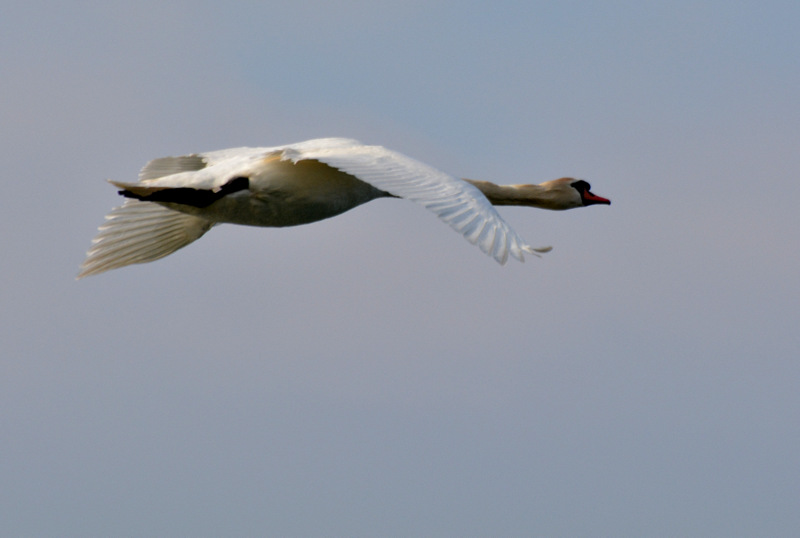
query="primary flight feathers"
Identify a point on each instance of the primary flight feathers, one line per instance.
(178, 199)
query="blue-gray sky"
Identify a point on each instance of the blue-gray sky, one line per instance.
(374, 374)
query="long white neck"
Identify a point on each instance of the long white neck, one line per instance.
(543, 196)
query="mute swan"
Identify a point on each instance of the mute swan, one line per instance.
(178, 199)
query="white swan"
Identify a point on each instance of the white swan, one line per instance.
(178, 199)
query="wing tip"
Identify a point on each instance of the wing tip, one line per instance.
(517, 252)
(538, 250)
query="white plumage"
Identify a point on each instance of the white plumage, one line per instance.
(178, 199)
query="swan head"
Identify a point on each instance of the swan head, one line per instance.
(568, 193)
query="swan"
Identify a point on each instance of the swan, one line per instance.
(178, 199)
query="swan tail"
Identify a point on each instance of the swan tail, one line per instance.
(140, 232)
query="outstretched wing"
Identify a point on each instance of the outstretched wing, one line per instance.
(453, 200)
(140, 232)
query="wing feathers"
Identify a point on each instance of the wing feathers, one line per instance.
(166, 166)
(139, 232)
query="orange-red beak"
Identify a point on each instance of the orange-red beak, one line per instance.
(591, 199)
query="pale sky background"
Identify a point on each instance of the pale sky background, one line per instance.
(374, 374)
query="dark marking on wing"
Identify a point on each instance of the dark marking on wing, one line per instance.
(189, 196)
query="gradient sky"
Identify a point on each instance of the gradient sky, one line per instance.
(374, 374)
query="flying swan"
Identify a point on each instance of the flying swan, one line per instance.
(178, 199)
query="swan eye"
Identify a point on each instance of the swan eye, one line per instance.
(581, 186)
